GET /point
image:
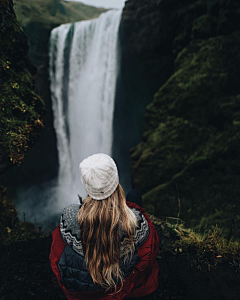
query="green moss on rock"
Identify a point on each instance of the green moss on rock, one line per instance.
(21, 109)
(188, 161)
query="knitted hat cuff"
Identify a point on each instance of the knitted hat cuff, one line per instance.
(106, 194)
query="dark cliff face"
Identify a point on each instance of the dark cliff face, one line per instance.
(187, 163)
(144, 66)
(37, 19)
(21, 109)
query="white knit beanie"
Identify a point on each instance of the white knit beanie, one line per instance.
(99, 175)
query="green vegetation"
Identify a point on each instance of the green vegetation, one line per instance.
(209, 249)
(53, 12)
(21, 109)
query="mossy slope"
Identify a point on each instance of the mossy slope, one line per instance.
(188, 162)
(54, 11)
(21, 108)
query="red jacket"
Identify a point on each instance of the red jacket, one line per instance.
(142, 281)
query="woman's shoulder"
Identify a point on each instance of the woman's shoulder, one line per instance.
(142, 230)
(69, 227)
(68, 219)
(150, 230)
(71, 208)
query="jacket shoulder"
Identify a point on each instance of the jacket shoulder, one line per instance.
(142, 230)
(70, 229)
(153, 235)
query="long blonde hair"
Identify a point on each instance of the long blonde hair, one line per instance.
(100, 222)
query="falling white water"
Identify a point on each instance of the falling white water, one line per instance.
(83, 71)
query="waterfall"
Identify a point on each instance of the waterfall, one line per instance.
(83, 71)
